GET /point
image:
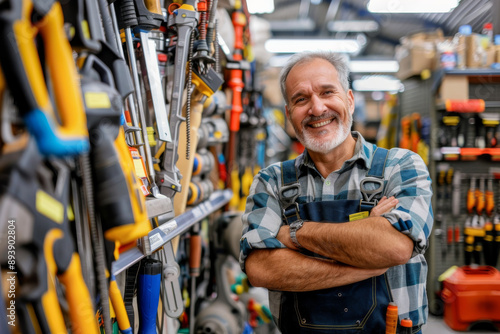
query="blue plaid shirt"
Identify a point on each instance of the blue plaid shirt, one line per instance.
(407, 179)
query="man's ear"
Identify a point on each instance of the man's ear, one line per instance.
(350, 101)
(287, 112)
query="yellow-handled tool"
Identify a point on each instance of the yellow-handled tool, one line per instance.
(25, 78)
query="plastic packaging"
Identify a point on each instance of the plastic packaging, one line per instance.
(488, 31)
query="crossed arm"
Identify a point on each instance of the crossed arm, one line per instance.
(356, 251)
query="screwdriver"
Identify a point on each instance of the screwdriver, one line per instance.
(194, 270)
(406, 325)
(391, 318)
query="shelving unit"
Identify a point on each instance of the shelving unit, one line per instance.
(469, 161)
(163, 234)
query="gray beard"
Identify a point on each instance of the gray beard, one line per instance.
(316, 144)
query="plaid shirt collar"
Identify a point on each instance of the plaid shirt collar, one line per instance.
(363, 153)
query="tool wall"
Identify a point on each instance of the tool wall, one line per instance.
(463, 162)
(124, 166)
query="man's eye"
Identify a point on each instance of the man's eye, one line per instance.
(300, 99)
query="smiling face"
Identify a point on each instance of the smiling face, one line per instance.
(318, 107)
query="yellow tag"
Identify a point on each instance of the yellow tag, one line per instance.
(95, 100)
(139, 168)
(49, 206)
(358, 215)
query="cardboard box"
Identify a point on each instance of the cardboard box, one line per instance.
(490, 56)
(417, 52)
(412, 61)
(497, 54)
(479, 52)
(454, 87)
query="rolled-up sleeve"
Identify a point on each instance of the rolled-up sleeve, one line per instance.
(262, 217)
(410, 183)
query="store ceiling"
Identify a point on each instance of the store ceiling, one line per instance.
(288, 15)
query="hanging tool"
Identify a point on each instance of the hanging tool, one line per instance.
(448, 180)
(184, 19)
(223, 314)
(148, 294)
(478, 221)
(129, 18)
(405, 141)
(468, 237)
(201, 57)
(86, 28)
(121, 205)
(489, 232)
(115, 296)
(24, 75)
(236, 68)
(489, 198)
(211, 28)
(205, 86)
(194, 270)
(152, 84)
(38, 191)
(440, 221)
(130, 100)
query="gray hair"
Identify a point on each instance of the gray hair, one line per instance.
(338, 61)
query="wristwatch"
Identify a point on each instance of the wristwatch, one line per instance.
(294, 227)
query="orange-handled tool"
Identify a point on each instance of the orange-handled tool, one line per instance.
(406, 325)
(490, 200)
(391, 318)
(471, 196)
(480, 200)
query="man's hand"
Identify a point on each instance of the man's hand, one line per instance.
(384, 205)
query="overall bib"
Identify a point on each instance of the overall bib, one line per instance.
(355, 308)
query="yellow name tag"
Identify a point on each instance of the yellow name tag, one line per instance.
(358, 215)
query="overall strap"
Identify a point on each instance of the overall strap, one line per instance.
(372, 186)
(289, 191)
(378, 162)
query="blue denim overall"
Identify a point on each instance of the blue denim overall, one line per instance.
(355, 308)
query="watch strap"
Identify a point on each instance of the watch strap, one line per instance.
(294, 227)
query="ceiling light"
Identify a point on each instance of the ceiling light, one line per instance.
(412, 6)
(373, 66)
(278, 61)
(353, 26)
(374, 83)
(299, 45)
(304, 24)
(260, 6)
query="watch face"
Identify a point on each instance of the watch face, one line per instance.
(296, 224)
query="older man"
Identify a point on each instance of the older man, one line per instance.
(340, 232)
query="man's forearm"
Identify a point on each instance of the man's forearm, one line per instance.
(288, 270)
(367, 243)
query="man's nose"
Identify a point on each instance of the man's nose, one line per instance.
(317, 106)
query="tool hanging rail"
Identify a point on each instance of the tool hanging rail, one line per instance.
(171, 229)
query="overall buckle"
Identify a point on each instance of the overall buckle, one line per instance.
(370, 195)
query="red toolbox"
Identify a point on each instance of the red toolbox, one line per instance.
(471, 295)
